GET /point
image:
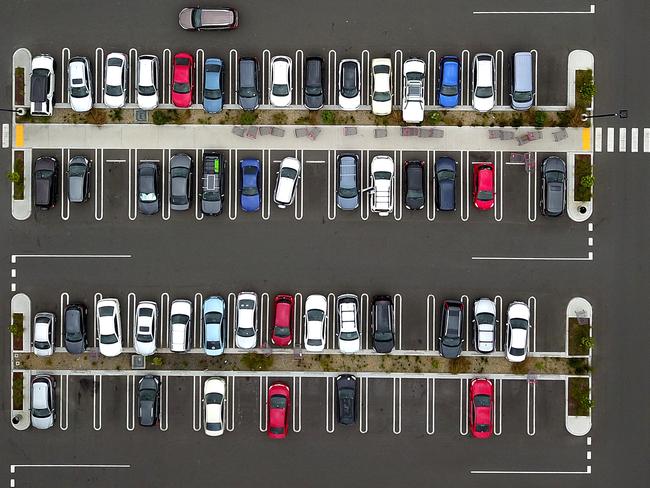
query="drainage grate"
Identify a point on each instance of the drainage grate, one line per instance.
(137, 362)
(141, 116)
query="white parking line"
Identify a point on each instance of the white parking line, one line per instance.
(331, 185)
(364, 315)
(397, 317)
(365, 69)
(133, 70)
(197, 403)
(431, 406)
(363, 404)
(634, 139)
(198, 177)
(592, 10)
(133, 184)
(646, 140)
(397, 406)
(598, 139)
(300, 190)
(464, 400)
(65, 59)
(332, 71)
(532, 187)
(610, 139)
(266, 67)
(166, 204)
(232, 318)
(330, 422)
(131, 305)
(265, 337)
(432, 65)
(298, 67)
(497, 406)
(465, 178)
(498, 301)
(534, 54)
(99, 75)
(398, 187)
(230, 403)
(263, 402)
(266, 184)
(296, 402)
(166, 76)
(498, 186)
(531, 388)
(63, 402)
(130, 402)
(63, 302)
(622, 139)
(465, 76)
(233, 189)
(97, 401)
(365, 183)
(233, 58)
(431, 323)
(64, 197)
(198, 329)
(498, 56)
(532, 306)
(164, 403)
(465, 300)
(330, 321)
(163, 330)
(431, 186)
(199, 67)
(398, 64)
(97, 297)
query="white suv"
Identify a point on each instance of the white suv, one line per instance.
(116, 82)
(109, 327)
(347, 311)
(41, 94)
(413, 96)
(382, 171)
(483, 82)
(147, 82)
(287, 182)
(80, 84)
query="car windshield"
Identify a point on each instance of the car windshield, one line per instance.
(383, 336)
(381, 96)
(73, 336)
(146, 90)
(451, 341)
(349, 336)
(521, 97)
(211, 196)
(245, 332)
(41, 413)
(144, 337)
(181, 87)
(314, 342)
(212, 94)
(213, 345)
(485, 318)
(414, 76)
(449, 90)
(485, 195)
(445, 174)
(246, 305)
(484, 91)
(382, 175)
(77, 170)
(348, 192)
(148, 197)
(105, 311)
(179, 319)
(179, 172)
(482, 428)
(213, 317)
(147, 395)
(41, 345)
(280, 90)
(213, 398)
(316, 315)
(518, 324)
(288, 173)
(282, 331)
(108, 338)
(249, 191)
(554, 177)
(482, 401)
(517, 351)
(113, 90)
(278, 401)
(313, 90)
(247, 92)
(78, 91)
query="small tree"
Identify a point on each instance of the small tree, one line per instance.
(587, 181)
(435, 117)
(157, 361)
(13, 176)
(585, 402)
(15, 329)
(540, 119)
(588, 89)
(328, 117)
(587, 342)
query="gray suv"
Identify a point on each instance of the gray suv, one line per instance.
(553, 186)
(347, 185)
(248, 92)
(78, 179)
(213, 184)
(451, 325)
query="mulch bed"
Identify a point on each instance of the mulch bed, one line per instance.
(578, 390)
(577, 332)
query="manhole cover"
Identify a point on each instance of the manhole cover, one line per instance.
(137, 362)
(141, 116)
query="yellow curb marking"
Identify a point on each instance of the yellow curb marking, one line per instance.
(20, 135)
(586, 139)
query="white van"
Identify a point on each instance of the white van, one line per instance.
(382, 172)
(522, 91)
(286, 182)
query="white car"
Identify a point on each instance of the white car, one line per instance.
(382, 171)
(147, 82)
(485, 319)
(214, 395)
(280, 89)
(109, 327)
(43, 401)
(44, 333)
(116, 80)
(80, 84)
(315, 322)
(347, 312)
(413, 94)
(349, 84)
(286, 182)
(483, 82)
(517, 332)
(144, 333)
(382, 93)
(246, 323)
(180, 326)
(41, 94)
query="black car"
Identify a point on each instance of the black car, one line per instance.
(74, 323)
(314, 93)
(383, 336)
(248, 91)
(148, 400)
(148, 196)
(346, 394)
(553, 199)
(415, 184)
(451, 329)
(445, 184)
(212, 194)
(78, 179)
(46, 173)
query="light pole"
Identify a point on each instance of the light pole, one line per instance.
(20, 111)
(622, 114)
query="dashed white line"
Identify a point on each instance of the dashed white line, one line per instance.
(598, 139)
(622, 139)
(634, 139)
(590, 227)
(588, 455)
(590, 241)
(13, 287)
(610, 139)
(646, 140)
(589, 441)
(13, 272)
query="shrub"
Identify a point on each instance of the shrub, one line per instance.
(587, 181)
(587, 342)
(328, 117)
(587, 88)
(540, 118)
(247, 118)
(161, 117)
(585, 402)
(13, 176)
(582, 170)
(257, 362)
(435, 117)
(116, 114)
(15, 328)
(516, 121)
(157, 361)
(279, 118)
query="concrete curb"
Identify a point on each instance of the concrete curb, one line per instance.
(22, 58)
(573, 207)
(20, 303)
(21, 419)
(577, 425)
(22, 209)
(578, 59)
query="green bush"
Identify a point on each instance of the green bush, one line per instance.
(257, 362)
(13, 176)
(585, 402)
(328, 117)
(247, 118)
(161, 117)
(516, 121)
(540, 119)
(157, 361)
(582, 170)
(587, 342)
(435, 117)
(116, 114)
(587, 181)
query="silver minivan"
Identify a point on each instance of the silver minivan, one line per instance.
(522, 91)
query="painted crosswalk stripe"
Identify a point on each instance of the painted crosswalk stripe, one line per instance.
(622, 139)
(610, 139)
(599, 139)
(634, 140)
(646, 140)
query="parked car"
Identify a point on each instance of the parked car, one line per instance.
(287, 182)
(445, 184)
(180, 174)
(182, 80)
(483, 82)
(281, 334)
(180, 326)
(213, 86)
(346, 395)
(148, 400)
(449, 82)
(349, 84)
(116, 80)
(44, 323)
(347, 183)
(315, 322)
(485, 323)
(522, 89)
(483, 185)
(198, 19)
(215, 325)
(554, 176)
(251, 185)
(146, 323)
(80, 84)
(481, 394)
(382, 92)
(347, 324)
(148, 194)
(314, 92)
(43, 401)
(280, 85)
(147, 82)
(41, 86)
(74, 323)
(451, 329)
(78, 179)
(246, 324)
(46, 175)
(214, 396)
(248, 91)
(381, 324)
(382, 171)
(109, 327)
(413, 94)
(416, 184)
(279, 401)
(517, 332)
(212, 194)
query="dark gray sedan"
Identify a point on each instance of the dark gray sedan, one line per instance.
(553, 186)
(346, 394)
(78, 179)
(148, 400)
(248, 91)
(446, 184)
(148, 197)
(180, 172)
(451, 329)
(46, 170)
(347, 185)
(74, 320)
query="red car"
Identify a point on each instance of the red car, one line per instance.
(484, 185)
(183, 80)
(281, 335)
(279, 402)
(481, 396)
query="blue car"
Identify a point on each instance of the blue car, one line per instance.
(445, 184)
(213, 86)
(449, 84)
(251, 187)
(215, 323)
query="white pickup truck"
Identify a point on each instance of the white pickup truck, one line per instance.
(382, 171)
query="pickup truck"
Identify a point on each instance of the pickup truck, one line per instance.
(347, 310)
(382, 171)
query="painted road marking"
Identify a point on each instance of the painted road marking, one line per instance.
(97, 402)
(497, 406)
(14, 257)
(590, 241)
(63, 405)
(531, 391)
(634, 140)
(587, 471)
(20, 135)
(5, 136)
(263, 402)
(296, 400)
(363, 405)
(431, 323)
(532, 189)
(431, 406)
(590, 257)
(592, 10)
(598, 142)
(164, 403)
(622, 139)
(586, 139)
(646, 140)
(63, 302)
(130, 402)
(464, 406)
(329, 405)
(397, 405)
(610, 139)
(230, 403)
(13, 467)
(197, 403)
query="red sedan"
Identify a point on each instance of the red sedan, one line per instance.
(484, 185)
(281, 335)
(279, 402)
(183, 80)
(481, 396)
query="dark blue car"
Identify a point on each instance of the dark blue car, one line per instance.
(449, 85)
(213, 86)
(250, 185)
(446, 184)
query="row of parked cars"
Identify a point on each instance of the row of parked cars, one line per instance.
(280, 91)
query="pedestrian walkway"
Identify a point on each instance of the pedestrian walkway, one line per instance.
(621, 139)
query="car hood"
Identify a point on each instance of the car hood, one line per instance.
(448, 100)
(347, 203)
(145, 348)
(149, 208)
(450, 351)
(147, 102)
(313, 101)
(42, 423)
(246, 342)
(114, 101)
(110, 350)
(75, 347)
(76, 188)
(249, 103)
(349, 346)
(483, 104)
(212, 207)
(212, 106)
(413, 111)
(81, 104)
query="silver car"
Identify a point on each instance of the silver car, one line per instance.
(43, 402)
(347, 185)
(180, 172)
